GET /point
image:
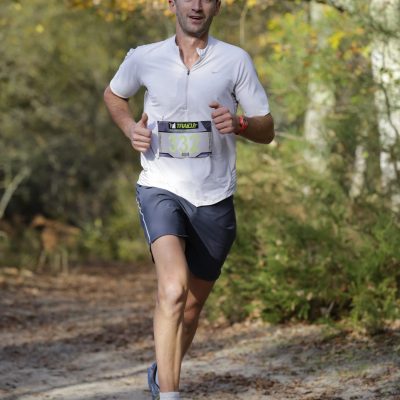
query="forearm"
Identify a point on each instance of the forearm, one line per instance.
(260, 129)
(119, 111)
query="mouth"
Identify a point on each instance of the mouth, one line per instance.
(196, 18)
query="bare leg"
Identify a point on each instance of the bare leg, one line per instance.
(198, 293)
(173, 277)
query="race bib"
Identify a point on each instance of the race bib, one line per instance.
(185, 139)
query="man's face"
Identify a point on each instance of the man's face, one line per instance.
(195, 16)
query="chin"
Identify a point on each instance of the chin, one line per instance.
(196, 32)
(199, 33)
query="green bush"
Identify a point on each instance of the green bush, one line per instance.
(119, 237)
(305, 250)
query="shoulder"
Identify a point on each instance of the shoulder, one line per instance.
(229, 50)
(151, 48)
(235, 59)
(144, 52)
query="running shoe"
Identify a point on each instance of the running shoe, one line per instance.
(151, 380)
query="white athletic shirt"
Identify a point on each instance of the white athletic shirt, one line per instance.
(224, 73)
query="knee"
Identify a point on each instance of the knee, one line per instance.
(171, 298)
(192, 313)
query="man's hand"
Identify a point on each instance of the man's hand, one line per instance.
(223, 119)
(141, 136)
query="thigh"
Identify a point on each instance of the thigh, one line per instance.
(160, 213)
(211, 233)
(170, 260)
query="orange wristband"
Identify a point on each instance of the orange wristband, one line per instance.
(243, 124)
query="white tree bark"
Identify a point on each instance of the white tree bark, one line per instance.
(321, 100)
(384, 17)
(386, 71)
(358, 177)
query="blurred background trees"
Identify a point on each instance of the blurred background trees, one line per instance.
(318, 210)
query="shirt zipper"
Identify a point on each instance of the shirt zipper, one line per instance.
(187, 89)
(188, 71)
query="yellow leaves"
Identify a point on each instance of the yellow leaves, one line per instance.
(249, 3)
(109, 16)
(335, 39)
(359, 31)
(109, 9)
(366, 51)
(132, 5)
(273, 23)
(124, 7)
(278, 48)
(39, 28)
(262, 40)
(128, 5)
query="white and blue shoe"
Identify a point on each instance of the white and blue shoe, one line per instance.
(151, 380)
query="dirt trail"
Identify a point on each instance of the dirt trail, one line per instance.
(87, 336)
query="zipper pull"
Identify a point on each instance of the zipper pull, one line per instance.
(188, 72)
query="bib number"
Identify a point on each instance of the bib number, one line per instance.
(185, 139)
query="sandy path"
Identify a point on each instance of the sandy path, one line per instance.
(87, 336)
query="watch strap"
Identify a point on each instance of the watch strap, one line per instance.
(243, 124)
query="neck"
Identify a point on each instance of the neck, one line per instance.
(188, 45)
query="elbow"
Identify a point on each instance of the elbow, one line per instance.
(270, 136)
(270, 131)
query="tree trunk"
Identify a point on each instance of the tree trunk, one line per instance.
(386, 72)
(11, 188)
(321, 100)
(383, 17)
(358, 176)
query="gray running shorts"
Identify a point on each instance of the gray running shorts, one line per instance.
(209, 231)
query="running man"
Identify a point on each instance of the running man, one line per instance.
(187, 141)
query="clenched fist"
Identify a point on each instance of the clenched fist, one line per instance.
(141, 136)
(223, 119)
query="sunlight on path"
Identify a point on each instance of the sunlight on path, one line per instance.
(88, 336)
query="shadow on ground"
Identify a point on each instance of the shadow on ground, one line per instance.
(88, 335)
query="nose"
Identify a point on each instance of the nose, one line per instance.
(197, 5)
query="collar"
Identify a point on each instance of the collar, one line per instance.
(201, 52)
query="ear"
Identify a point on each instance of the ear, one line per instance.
(171, 5)
(217, 7)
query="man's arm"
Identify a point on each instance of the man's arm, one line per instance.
(119, 111)
(259, 130)
(121, 114)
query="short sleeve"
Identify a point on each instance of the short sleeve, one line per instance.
(126, 81)
(248, 89)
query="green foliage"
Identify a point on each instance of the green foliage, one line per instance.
(53, 125)
(283, 59)
(305, 250)
(118, 236)
(24, 251)
(375, 280)
(52, 114)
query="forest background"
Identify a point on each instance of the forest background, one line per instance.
(317, 210)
